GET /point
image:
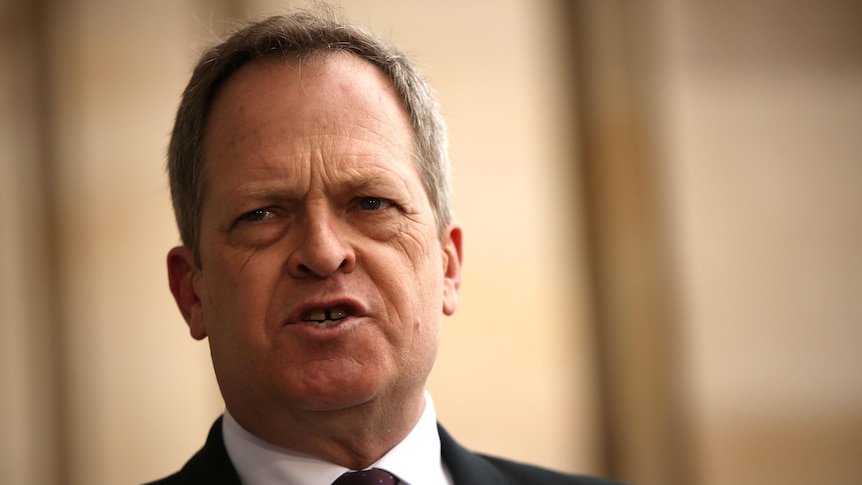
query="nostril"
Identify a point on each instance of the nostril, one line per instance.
(303, 270)
(319, 261)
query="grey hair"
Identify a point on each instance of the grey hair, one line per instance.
(299, 35)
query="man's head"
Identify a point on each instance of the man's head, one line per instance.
(319, 267)
(299, 36)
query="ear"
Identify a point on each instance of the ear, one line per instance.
(183, 274)
(452, 257)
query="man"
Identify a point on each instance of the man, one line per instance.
(309, 174)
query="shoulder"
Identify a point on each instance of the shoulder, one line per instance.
(476, 469)
(211, 465)
(522, 473)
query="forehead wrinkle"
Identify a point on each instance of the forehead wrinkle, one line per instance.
(371, 182)
(344, 162)
(270, 181)
(267, 191)
(343, 157)
(369, 169)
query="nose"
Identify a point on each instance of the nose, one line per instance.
(322, 250)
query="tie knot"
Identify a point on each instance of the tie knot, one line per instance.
(374, 476)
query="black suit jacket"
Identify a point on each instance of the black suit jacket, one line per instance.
(212, 466)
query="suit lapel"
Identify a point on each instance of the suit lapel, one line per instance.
(212, 464)
(466, 467)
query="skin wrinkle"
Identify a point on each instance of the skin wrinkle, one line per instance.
(392, 135)
(277, 195)
(413, 95)
(302, 73)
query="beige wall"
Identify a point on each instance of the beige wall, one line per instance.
(750, 115)
(761, 111)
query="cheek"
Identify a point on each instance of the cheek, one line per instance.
(410, 279)
(407, 273)
(427, 272)
(239, 291)
(235, 316)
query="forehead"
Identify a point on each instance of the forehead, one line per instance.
(336, 107)
(296, 89)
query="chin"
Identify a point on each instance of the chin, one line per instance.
(333, 392)
(334, 400)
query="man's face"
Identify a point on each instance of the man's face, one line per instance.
(323, 279)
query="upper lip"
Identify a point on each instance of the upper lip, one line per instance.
(353, 308)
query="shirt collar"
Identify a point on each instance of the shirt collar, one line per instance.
(415, 460)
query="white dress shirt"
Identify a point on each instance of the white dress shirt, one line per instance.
(415, 460)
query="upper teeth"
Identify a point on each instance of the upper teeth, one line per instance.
(323, 314)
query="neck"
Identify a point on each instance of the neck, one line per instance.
(354, 437)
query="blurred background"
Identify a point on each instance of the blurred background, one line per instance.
(662, 203)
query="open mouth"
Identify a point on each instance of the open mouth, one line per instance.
(325, 317)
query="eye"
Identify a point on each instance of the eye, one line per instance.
(256, 215)
(373, 203)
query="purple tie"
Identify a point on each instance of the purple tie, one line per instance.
(374, 476)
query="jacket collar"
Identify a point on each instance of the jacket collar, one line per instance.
(212, 464)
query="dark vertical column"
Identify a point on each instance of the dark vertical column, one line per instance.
(46, 332)
(630, 277)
